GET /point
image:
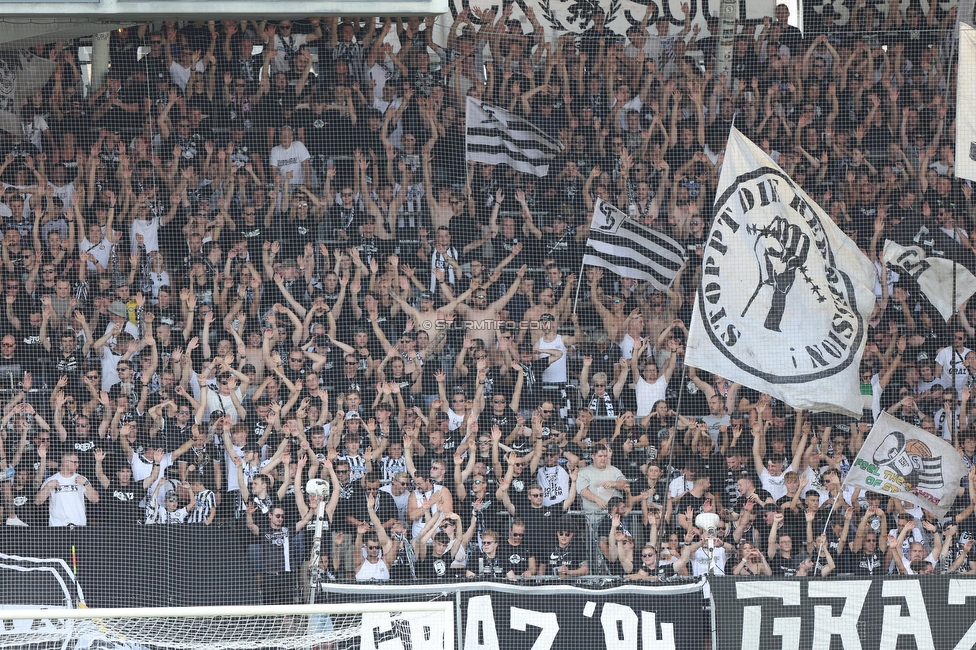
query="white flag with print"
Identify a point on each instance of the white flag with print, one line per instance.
(965, 166)
(905, 462)
(934, 276)
(784, 296)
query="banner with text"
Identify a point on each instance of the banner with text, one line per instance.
(872, 614)
(495, 616)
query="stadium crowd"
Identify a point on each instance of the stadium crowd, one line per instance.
(257, 256)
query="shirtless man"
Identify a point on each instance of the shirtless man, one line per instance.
(662, 308)
(444, 204)
(547, 305)
(481, 317)
(427, 318)
(614, 319)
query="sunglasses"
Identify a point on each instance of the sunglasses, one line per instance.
(518, 534)
(563, 533)
(372, 547)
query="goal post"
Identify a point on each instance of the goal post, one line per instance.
(367, 626)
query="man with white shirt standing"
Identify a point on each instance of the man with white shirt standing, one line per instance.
(772, 473)
(950, 362)
(291, 156)
(67, 491)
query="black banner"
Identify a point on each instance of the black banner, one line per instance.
(890, 613)
(497, 616)
(137, 566)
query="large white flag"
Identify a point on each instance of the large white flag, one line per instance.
(21, 75)
(965, 101)
(494, 135)
(784, 296)
(933, 275)
(905, 462)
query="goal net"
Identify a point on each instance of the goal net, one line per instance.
(360, 626)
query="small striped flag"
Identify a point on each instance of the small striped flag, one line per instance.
(630, 249)
(495, 136)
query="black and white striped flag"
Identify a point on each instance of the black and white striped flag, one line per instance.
(495, 136)
(630, 249)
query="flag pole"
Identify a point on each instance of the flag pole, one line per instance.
(674, 429)
(952, 415)
(579, 283)
(840, 497)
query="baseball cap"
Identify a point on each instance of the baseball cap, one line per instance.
(119, 309)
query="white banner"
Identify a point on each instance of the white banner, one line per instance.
(558, 17)
(965, 100)
(933, 275)
(905, 462)
(784, 296)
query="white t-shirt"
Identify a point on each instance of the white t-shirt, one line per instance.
(284, 48)
(101, 251)
(149, 231)
(181, 75)
(775, 485)
(554, 482)
(67, 501)
(63, 192)
(290, 159)
(218, 402)
(945, 358)
(454, 420)
(649, 394)
(141, 470)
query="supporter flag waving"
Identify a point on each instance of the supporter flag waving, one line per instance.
(630, 249)
(934, 276)
(965, 158)
(21, 75)
(496, 136)
(907, 463)
(784, 296)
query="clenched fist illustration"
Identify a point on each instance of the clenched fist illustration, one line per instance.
(781, 250)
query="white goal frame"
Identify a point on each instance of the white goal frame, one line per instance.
(445, 608)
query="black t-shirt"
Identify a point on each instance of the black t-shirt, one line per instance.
(516, 558)
(572, 557)
(689, 499)
(433, 569)
(84, 447)
(785, 566)
(540, 527)
(275, 545)
(488, 568)
(119, 504)
(863, 564)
